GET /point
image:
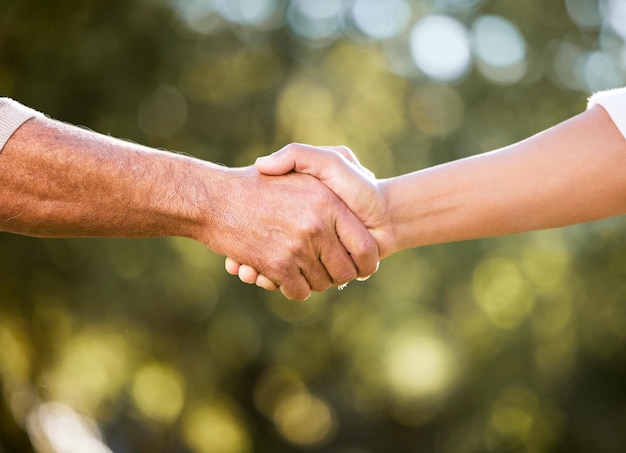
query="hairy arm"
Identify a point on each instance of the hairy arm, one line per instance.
(58, 180)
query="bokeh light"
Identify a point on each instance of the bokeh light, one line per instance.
(247, 12)
(440, 47)
(198, 15)
(90, 371)
(615, 14)
(381, 19)
(304, 420)
(585, 13)
(503, 292)
(57, 428)
(419, 366)
(500, 49)
(158, 392)
(15, 360)
(601, 71)
(316, 21)
(214, 426)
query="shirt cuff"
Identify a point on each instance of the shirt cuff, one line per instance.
(12, 116)
(614, 102)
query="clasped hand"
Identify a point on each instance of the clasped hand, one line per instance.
(339, 169)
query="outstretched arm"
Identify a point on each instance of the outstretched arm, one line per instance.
(58, 180)
(571, 173)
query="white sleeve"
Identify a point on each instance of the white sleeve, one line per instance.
(12, 115)
(614, 102)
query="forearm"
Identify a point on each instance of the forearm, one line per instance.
(572, 173)
(60, 180)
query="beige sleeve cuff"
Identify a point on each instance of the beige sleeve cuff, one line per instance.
(614, 102)
(12, 116)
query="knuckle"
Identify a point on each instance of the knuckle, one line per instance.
(322, 286)
(292, 147)
(345, 277)
(365, 246)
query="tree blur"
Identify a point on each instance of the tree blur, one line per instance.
(512, 344)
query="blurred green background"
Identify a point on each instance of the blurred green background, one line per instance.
(513, 344)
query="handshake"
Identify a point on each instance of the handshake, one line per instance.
(337, 220)
(326, 222)
(304, 218)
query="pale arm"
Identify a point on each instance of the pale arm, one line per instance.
(571, 173)
(57, 180)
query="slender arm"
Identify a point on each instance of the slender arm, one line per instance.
(571, 173)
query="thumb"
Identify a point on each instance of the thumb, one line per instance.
(279, 163)
(349, 182)
(325, 164)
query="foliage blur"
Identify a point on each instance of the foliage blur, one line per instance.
(513, 344)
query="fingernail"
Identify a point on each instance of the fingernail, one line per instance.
(362, 279)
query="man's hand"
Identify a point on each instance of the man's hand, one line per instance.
(339, 169)
(292, 229)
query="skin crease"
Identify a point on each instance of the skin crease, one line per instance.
(59, 180)
(571, 173)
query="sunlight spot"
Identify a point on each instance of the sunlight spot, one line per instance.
(584, 12)
(381, 19)
(615, 15)
(316, 20)
(500, 49)
(248, 12)
(441, 48)
(56, 428)
(215, 427)
(273, 385)
(304, 419)
(158, 393)
(90, 371)
(602, 71)
(418, 366)
(502, 292)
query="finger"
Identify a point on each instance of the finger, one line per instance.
(328, 166)
(263, 282)
(358, 243)
(247, 274)
(232, 266)
(277, 163)
(297, 157)
(296, 288)
(316, 271)
(338, 263)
